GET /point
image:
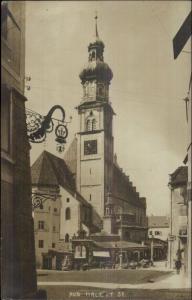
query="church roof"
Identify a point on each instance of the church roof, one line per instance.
(50, 170)
(70, 156)
(123, 188)
(179, 176)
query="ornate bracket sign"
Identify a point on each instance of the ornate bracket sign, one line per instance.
(38, 199)
(38, 126)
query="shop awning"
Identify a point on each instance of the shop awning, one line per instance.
(101, 253)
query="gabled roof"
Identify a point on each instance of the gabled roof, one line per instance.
(179, 176)
(50, 170)
(158, 221)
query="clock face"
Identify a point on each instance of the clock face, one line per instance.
(90, 147)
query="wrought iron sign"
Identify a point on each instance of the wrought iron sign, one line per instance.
(38, 199)
(38, 126)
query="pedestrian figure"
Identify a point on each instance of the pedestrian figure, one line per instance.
(178, 265)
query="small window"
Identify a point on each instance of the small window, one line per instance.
(67, 214)
(54, 228)
(53, 245)
(150, 232)
(90, 197)
(157, 232)
(55, 209)
(41, 225)
(41, 243)
(68, 200)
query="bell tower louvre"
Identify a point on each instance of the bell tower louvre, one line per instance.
(95, 136)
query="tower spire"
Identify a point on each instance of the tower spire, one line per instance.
(96, 30)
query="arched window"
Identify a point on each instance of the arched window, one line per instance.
(93, 124)
(93, 55)
(67, 214)
(88, 125)
(67, 238)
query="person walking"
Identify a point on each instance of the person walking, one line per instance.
(178, 265)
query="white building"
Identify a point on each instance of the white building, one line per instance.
(158, 227)
(63, 213)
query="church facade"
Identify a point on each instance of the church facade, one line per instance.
(91, 156)
(93, 194)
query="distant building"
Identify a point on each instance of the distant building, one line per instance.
(17, 237)
(178, 217)
(64, 212)
(158, 227)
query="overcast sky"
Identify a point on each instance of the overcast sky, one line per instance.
(150, 130)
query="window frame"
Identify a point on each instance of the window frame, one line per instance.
(41, 244)
(41, 225)
(67, 214)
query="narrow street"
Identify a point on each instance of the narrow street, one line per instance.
(113, 284)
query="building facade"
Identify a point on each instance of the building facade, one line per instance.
(63, 212)
(178, 217)
(17, 237)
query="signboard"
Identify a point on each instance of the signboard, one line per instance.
(101, 253)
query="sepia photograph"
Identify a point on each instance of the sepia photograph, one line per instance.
(96, 150)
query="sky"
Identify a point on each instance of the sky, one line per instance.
(146, 92)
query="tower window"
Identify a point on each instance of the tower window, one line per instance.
(88, 125)
(67, 214)
(94, 124)
(90, 197)
(93, 55)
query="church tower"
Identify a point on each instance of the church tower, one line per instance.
(95, 136)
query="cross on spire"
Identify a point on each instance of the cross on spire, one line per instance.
(96, 30)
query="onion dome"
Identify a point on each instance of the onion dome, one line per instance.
(96, 68)
(99, 71)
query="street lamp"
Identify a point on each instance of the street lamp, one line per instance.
(152, 248)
